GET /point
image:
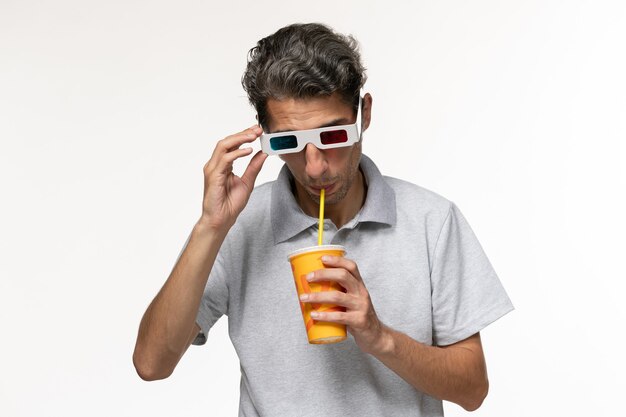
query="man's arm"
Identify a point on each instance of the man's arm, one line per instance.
(168, 326)
(454, 373)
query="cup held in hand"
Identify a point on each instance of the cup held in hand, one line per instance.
(308, 260)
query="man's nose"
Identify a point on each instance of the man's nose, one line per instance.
(316, 163)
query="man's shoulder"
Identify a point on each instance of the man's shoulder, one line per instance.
(411, 195)
(411, 201)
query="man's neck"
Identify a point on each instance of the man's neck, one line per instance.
(342, 212)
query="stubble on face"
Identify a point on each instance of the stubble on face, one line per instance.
(344, 179)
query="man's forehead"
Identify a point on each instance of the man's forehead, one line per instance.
(307, 113)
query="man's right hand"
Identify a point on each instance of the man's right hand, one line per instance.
(168, 325)
(225, 194)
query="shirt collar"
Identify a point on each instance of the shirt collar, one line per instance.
(288, 219)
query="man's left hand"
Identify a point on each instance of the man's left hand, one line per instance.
(360, 317)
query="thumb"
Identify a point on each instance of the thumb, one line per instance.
(253, 169)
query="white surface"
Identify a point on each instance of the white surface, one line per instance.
(515, 110)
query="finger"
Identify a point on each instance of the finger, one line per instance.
(339, 275)
(233, 142)
(331, 297)
(253, 169)
(253, 132)
(340, 317)
(341, 262)
(225, 164)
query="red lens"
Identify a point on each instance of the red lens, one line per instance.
(334, 136)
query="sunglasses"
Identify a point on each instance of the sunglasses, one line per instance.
(323, 137)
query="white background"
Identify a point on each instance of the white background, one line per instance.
(514, 110)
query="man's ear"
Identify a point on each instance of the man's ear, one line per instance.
(366, 110)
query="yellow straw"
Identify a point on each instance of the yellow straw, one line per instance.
(320, 227)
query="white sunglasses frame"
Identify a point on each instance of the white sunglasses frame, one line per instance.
(305, 137)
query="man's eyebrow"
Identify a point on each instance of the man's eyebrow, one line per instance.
(337, 122)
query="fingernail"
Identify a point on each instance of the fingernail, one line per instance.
(314, 314)
(326, 258)
(309, 276)
(304, 297)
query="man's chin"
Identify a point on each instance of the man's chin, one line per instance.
(329, 199)
(315, 198)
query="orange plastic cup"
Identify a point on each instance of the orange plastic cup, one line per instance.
(302, 262)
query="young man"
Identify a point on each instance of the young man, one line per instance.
(418, 287)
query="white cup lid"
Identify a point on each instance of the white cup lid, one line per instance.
(316, 248)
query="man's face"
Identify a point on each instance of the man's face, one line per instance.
(333, 169)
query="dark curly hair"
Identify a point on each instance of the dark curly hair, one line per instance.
(302, 61)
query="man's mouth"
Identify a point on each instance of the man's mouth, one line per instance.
(317, 190)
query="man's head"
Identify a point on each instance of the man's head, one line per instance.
(303, 61)
(306, 76)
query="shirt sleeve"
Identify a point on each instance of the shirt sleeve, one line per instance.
(467, 295)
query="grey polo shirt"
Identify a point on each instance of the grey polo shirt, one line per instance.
(426, 273)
